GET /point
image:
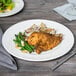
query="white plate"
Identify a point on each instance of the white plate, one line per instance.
(19, 4)
(63, 48)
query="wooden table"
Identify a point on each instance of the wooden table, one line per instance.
(40, 9)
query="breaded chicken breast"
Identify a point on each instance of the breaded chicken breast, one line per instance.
(44, 41)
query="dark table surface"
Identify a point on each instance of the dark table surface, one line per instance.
(40, 9)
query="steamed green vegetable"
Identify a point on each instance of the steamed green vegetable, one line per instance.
(6, 5)
(22, 43)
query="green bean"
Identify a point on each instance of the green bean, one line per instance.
(32, 46)
(26, 46)
(17, 40)
(21, 36)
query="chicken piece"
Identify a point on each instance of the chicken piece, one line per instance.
(44, 41)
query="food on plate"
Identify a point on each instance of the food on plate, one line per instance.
(44, 41)
(41, 28)
(6, 5)
(37, 39)
(22, 44)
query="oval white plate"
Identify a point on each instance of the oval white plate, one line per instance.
(60, 50)
(19, 4)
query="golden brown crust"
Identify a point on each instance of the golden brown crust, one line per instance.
(44, 41)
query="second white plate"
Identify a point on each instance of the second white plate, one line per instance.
(19, 4)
